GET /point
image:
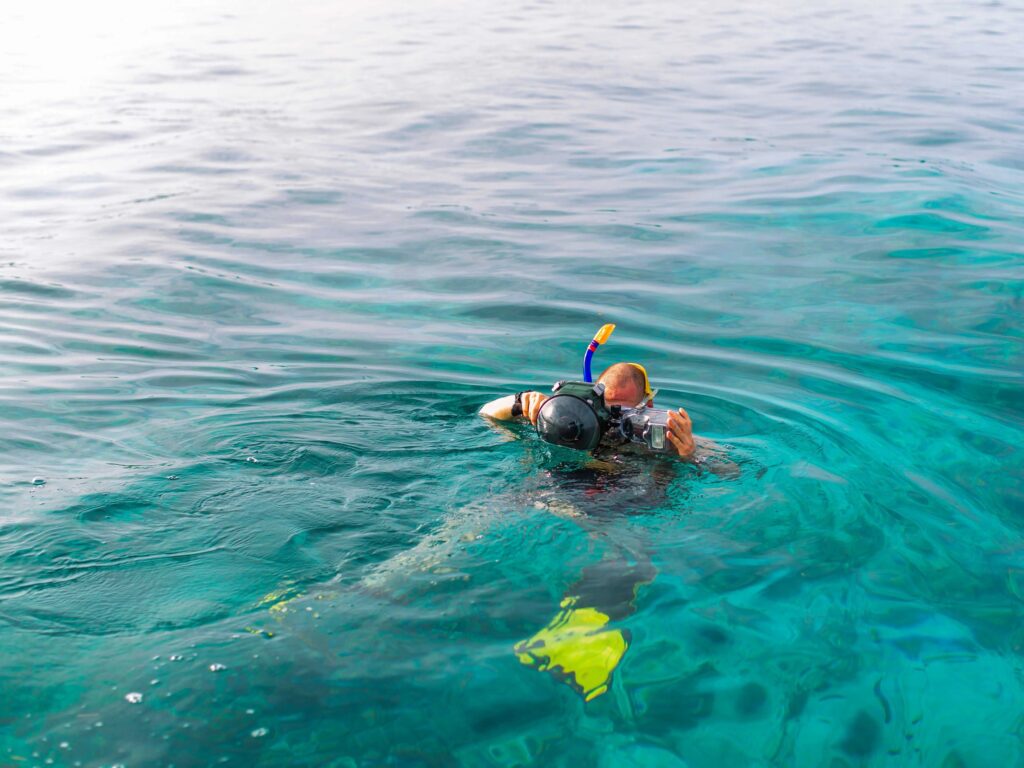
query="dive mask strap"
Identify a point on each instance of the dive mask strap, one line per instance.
(648, 399)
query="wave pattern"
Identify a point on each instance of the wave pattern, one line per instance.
(261, 266)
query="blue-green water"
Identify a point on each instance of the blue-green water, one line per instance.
(262, 262)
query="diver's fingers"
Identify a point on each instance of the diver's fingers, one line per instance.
(680, 433)
(679, 424)
(533, 413)
(532, 403)
(683, 447)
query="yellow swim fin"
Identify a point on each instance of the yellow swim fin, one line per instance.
(577, 648)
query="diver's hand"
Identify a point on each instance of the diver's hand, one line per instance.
(532, 401)
(680, 433)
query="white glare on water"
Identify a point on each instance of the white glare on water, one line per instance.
(61, 46)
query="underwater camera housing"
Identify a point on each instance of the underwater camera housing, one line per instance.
(647, 426)
(576, 416)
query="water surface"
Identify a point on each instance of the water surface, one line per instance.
(261, 264)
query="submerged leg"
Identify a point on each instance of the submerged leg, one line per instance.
(578, 647)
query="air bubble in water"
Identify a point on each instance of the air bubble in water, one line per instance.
(259, 733)
(133, 698)
(217, 667)
(38, 481)
(175, 657)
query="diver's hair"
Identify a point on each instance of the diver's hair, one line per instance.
(620, 373)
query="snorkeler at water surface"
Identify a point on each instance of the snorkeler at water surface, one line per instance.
(618, 397)
(626, 386)
(610, 418)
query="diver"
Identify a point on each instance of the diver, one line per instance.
(585, 641)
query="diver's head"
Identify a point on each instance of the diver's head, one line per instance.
(625, 384)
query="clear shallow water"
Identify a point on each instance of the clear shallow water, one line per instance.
(261, 266)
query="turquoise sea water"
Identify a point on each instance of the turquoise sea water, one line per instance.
(262, 262)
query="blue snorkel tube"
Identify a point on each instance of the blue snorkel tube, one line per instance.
(599, 339)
